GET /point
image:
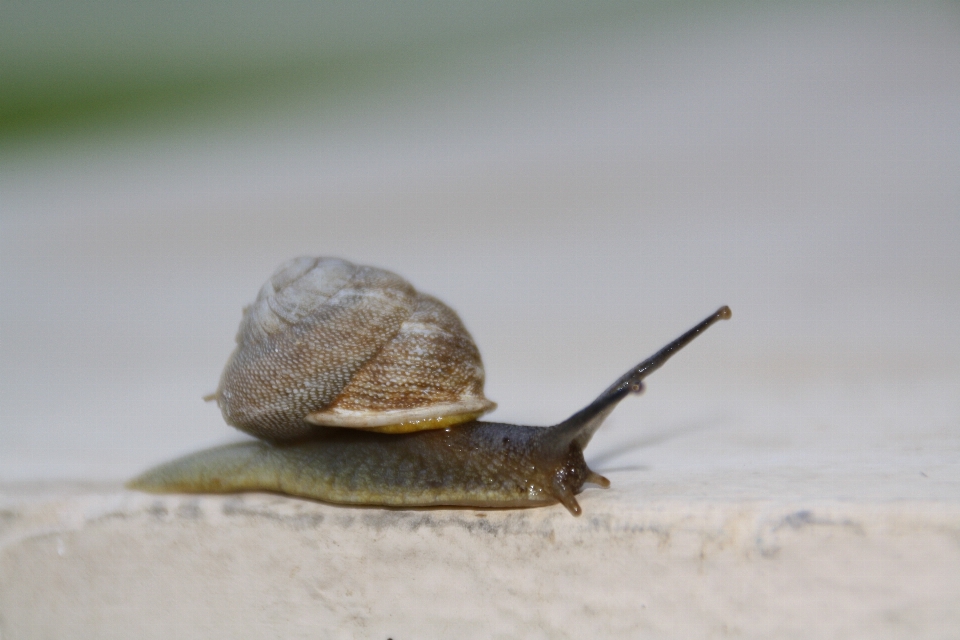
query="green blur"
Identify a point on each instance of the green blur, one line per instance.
(105, 64)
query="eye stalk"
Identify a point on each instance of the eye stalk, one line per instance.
(581, 426)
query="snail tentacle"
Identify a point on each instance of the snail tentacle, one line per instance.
(580, 427)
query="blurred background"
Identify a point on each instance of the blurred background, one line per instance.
(580, 181)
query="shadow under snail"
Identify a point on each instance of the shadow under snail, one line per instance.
(363, 391)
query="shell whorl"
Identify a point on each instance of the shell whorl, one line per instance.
(331, 343)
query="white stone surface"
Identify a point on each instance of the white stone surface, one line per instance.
(794, 516)
(98, 562)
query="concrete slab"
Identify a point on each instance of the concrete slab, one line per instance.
(107, 563)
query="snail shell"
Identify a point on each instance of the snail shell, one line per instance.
(329, 343)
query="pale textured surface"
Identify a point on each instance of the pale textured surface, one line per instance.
(797, 515)
(112, 564)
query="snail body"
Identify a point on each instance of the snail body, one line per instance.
(382, 415)
(477, 464)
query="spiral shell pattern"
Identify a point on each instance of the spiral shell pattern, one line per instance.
(335, 344)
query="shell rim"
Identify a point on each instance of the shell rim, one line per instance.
(335, 417)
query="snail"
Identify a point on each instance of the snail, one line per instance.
(363, 391)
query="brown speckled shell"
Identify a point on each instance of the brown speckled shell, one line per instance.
(331, 343)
